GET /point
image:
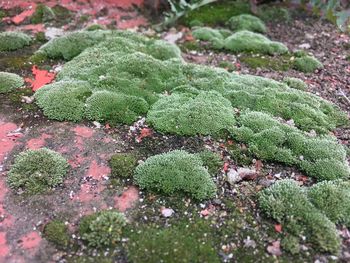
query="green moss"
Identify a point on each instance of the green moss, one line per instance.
(295, 83)
(122, 165)
(102, 229)
(195, 22)
(246, 41)
(190, 45)
(184, 242)
(278, 63)
(270, 13)
(246, 22)
(114, 108)
(291, 244)
(9, 82)
(216, 13)
(90, 259)
(36, 171)
(10, 41)
(240, 155)
(94, 27)
(42, 14)
(229, 66)
(332, 198)
(175, 171)
(185, 114)
(269, 139)
(40, 37)
(162, 50)
(57, 232)
(307, 64)
(212, 161)
(286, 202)
(206, 33)
(63, 100)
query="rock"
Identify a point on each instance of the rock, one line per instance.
(233, 177)
(166, 212)
(275, 248)
(305, 46)
(247, 174)
(27, 99)
(249, 242)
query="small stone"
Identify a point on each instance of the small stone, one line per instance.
(305, 46)
(27, 99)
(233, 177)
(97, 124)
(249, 242)
(166, 212)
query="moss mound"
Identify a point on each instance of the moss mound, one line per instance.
(123, 165)
(9, 82)
(189, 114)
(10, 41)
(179, 243)
(102, 229)
(42, 14)
(307, 64)
(211, 161)
(173, 172)
(246, 22)
(288, 204)
(57, 232)
(214, 36)
(36, 171)
(295, 83)
(64, 100)
(320, 157)
(246, 41)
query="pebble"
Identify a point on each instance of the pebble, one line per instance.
(233, 177)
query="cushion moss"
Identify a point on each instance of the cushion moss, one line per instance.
(246, 22)
(295, 83)
(56, 232)
(307, 64)
(173, 172)
(10, 41)
(9, 82)
(122, 165)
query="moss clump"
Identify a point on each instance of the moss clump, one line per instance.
(332, 198)
(278, 63)
(9, 82)
(13, 40)
(94, 27)
(229, 66)
(240, 154)
(212, 161)
(287, 203)
(57, 232)
(90, 259)
(246, 22)
(295, 83)
(42, 14)
(246, 41)
(291, 244)
(114, 108)
(189, 114)
(64, 100)
(189, 242)
(320, 157)
(162, 50)
(207, 34)
(36, 171)
(175, 171)
(123, 165)
(102, 229)
(270, 13)
(307, 64)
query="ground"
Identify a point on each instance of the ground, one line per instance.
(239, 231)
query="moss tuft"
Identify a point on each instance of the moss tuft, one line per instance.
(10, 41)
(36, 171)
(123, 165)
(102, 229)
(246, 22)
(42, 14)
(57, 232)
(270, 13)
(9, 82)
(291, 244)
(278, 63)
(307, 64)
(94, 27)
(212, 161)
(162, 50)
(185, 114)
(175, 171)
(295, 83)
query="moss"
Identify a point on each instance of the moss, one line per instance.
(278, 63)
(94, 27)
(295, 83)
(9, 82)
(10, 41)
(216, 13)
(246, 22)
(285, 202)
(57, 232)
(206, 33)
(307, 64)
(63, 100)
(102, 229)
(190, 45)
(246, 41)
(240, 154)
(185, 114)
(114, 108)
(195, 22)
(320, 157)
(40, 37)
(162, 50)
(42, 14)
(175, 171)
(36, 171)
(291, 244)
(212, 161)
(331, 197)
(229, 66)
(122, 165)
(183, 242)
(90, 259)
(270, 13)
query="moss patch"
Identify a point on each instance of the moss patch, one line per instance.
(57, 232)
(211, 161)
(9, 82)
(42, 14)
(278, 63)
(36, 171)
(246, 22)
(175, 171)
(307, 64)
(123, 165)
(10, 41)
(295, 83)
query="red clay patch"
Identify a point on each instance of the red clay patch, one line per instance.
(41, 78)
(30, 241)
(4, 248)
(7, 140)
(22, 16)
(97, 172)
(127, 199)
(83, 131)
(37, 143)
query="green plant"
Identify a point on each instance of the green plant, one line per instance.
(10, 41)
(9, 82)
(287, 203)
(102, 229)
(162, 50)
(307, 64)
(212, 161)
(291, 244)
(173, 172)
(122, 165)
(246, 22)
(42, 14)
(36, 171)
(63, 100)
(185, 114)
(57, 232)
(94, 27)
(271, 13)
(246, 41)
(295, 83)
